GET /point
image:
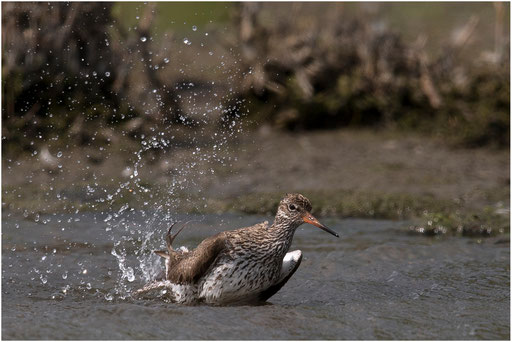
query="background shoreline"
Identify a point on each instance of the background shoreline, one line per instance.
(346, 173)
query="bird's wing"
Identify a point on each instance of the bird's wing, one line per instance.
(193, 265)
(291, 263)
(196, 263)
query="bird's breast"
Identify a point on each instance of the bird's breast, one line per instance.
(236, 275)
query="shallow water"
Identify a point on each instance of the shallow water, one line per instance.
(61, 281)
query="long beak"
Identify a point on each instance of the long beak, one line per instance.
(308, 218)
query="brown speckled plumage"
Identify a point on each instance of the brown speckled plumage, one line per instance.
(245, 264)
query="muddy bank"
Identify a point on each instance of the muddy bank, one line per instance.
(346, 173)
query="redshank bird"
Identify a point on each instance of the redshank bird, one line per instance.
(241, 266)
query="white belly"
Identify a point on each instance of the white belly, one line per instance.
(229, 282)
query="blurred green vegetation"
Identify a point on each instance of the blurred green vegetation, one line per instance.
(176, 16)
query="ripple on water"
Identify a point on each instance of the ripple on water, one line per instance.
(373, 283)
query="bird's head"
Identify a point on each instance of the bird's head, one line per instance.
(295, 209)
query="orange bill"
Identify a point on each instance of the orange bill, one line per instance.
(308, 218)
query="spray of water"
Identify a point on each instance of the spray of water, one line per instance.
(133, 240)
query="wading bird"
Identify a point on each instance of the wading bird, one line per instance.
(245, 265)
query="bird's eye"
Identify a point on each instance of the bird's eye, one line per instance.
(292, 207)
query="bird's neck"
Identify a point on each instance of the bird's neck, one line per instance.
(282, 231)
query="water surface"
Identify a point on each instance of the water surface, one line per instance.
(61, 281)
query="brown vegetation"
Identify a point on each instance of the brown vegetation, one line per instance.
(333, 70)
(73, 74)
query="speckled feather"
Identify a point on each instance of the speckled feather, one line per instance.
(241, 265)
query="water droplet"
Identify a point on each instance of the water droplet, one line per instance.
(210, 53)
(130, 276)
(194, 28)
(89, 286)
(59, 154)
(166, 60)
(186, 41)
(43, 258)
(84, 272)
(109, 297)
(143, 39)
(65, 275)
(107, 74)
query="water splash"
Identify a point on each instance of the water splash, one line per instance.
(134, 241)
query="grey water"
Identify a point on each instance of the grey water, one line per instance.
(64, 277)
